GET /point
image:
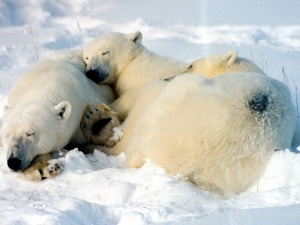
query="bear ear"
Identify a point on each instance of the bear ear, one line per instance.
(63, 110)
(136, 37)
(230, 57)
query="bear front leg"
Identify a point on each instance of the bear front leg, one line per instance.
(98, 123)
(45, 169)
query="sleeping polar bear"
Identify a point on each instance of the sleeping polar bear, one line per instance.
(122, 61)
(218, 132)
(44, 111)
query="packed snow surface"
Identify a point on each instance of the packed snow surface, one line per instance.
(97, 189)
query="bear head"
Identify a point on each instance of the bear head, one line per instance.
(216, 65)
(33, 129)
(107, 56)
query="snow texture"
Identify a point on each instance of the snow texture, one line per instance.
(97, 189)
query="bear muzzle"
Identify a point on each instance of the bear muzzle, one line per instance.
(96, 75)
(259, 103)
(17, 160)
(14, 163)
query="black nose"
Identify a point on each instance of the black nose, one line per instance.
(96, 75)
(259, 102)
(14, 163)
(93, 75)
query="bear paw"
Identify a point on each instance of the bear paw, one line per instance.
(117, 136)
(45, 169)
(55, 167)
(98, 123)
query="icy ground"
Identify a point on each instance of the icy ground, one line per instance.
(96, 189)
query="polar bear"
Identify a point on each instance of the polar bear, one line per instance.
(216, 65)
(219, 132)
(45, 108)
(121, 60)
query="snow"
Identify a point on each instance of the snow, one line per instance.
(97, 189)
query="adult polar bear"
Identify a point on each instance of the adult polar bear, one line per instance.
(121, 60)
(45, 108)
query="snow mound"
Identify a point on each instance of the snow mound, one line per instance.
(98, 189)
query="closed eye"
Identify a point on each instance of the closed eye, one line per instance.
(28, 134)
(105, 52)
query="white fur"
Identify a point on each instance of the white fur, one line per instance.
(210, 66)
(202, 128)
(46, 105)
(216, 65)
(128, 65)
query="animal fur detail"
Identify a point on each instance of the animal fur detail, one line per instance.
(97, 125)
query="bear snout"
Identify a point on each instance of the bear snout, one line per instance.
(96, 75)
(14, 163)
(259, 103)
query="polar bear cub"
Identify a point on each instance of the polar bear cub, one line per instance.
(219, 132)
(216, 65)
(45, 108)
(122, 60)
